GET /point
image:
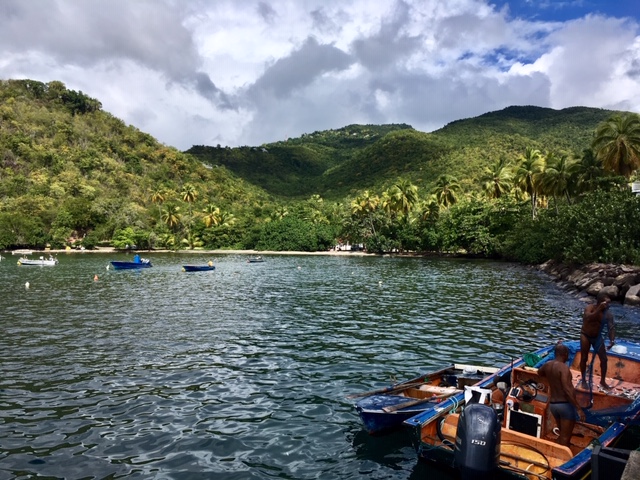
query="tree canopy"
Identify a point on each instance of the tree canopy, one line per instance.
(72, 174)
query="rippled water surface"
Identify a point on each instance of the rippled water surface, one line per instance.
(243, 372)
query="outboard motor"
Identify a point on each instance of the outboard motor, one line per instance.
(477, 449)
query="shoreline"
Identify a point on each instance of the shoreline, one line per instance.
(205, 252)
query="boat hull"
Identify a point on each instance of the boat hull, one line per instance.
(39, 263)
(386, 411)
(376, 420)
(198, 268)
(130, 265)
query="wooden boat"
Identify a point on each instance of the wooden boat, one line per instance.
(50, 262)
(136, 263)
(385, 409)
(525, 433)
(198, 268)
(257, 259)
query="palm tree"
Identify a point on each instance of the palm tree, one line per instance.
(227, 219)
(446, 190)
(211, 215)
(588, 170)
(365, 204)
(559, 177)
(158, 197)
(167, 240)
(404, 195)
(497, 179)
(189, 194)
(364, 207)
(527, 175)
(171, 216)
(617, 144)
(429, 210)
(191, 241)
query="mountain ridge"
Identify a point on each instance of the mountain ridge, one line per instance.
(338, 163)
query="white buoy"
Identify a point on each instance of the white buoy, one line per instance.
(26, 285)
(107, 266)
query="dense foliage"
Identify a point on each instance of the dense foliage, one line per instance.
(524, 183)
(72, 174)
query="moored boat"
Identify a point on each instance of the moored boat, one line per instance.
(129, 265)
(22, 251)
(387, 408)
(49, 262)
(521, 441)
(257, 259)
(198, 268)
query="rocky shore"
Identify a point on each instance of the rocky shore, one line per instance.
(621, 283)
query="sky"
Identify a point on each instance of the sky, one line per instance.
(248, 72)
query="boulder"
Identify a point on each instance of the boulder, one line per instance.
(606, 281)
(595, 288)
(610, 291)
(578, 276)
(626, 279)
(632, 297)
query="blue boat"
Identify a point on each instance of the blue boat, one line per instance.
(198, 268)
(515, 435)
(385, 410)
(135, 264)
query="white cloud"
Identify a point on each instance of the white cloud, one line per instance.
(244, 73)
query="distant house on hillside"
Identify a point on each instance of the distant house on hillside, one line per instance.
(635, 188)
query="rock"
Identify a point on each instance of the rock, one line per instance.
(594, 288)
(594, 279)
(632, 297)
(626, 279)
(610, 291)
(607, 281)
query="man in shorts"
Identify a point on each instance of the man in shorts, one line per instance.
(562, 400)
(594, 320)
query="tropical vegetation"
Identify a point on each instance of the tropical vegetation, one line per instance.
(524, 183)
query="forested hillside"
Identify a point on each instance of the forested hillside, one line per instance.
(70, 170)
(524, 183)
(338, 163)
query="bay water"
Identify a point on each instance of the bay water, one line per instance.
(243, 372)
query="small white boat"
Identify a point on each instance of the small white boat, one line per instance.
(22, 252)
(51, 261)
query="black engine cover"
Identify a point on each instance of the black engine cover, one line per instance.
(477, 449)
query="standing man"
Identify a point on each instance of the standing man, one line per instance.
(594, 319)
(562, 401)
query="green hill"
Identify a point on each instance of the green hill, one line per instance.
(69, 170)
(338, 163)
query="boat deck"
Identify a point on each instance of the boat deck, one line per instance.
(619, 387)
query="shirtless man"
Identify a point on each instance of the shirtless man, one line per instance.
(562, 401)
(593, 320)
